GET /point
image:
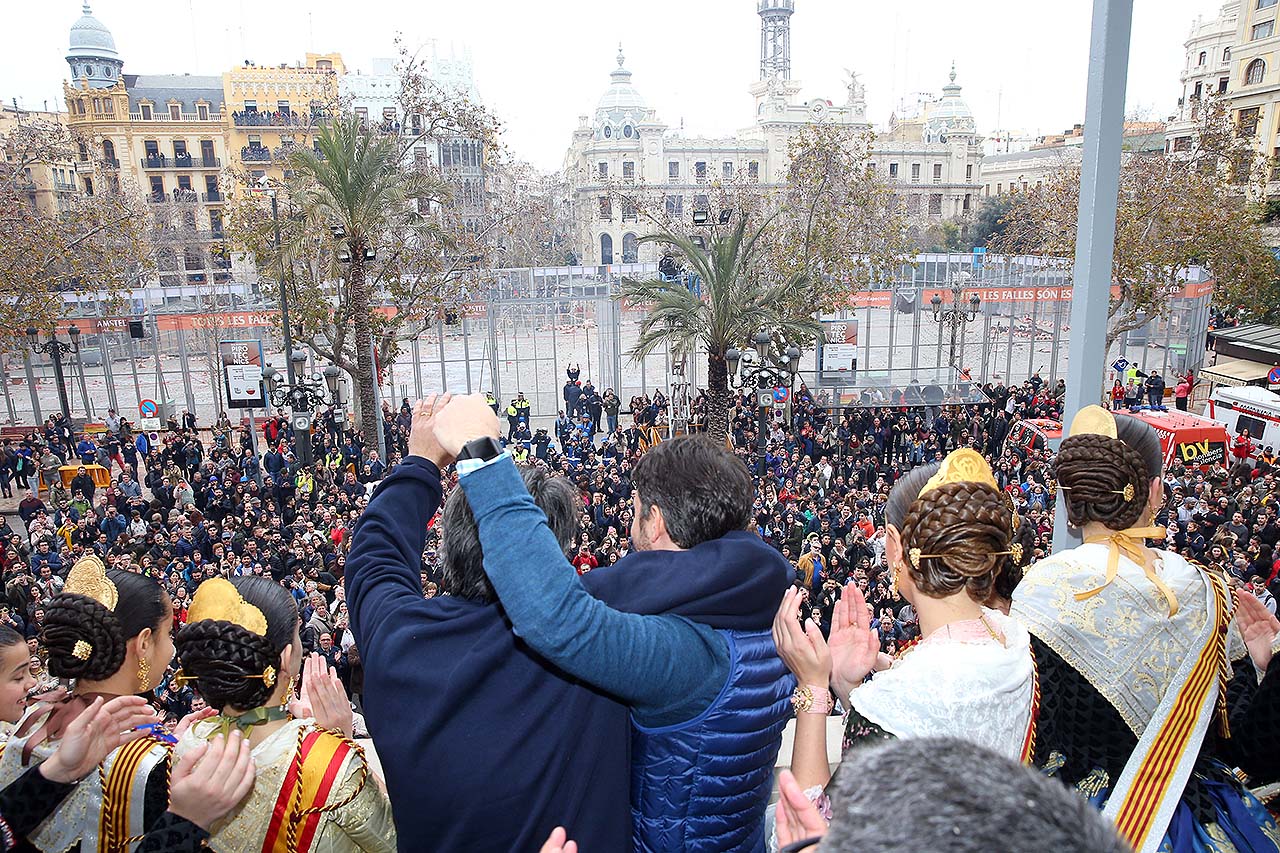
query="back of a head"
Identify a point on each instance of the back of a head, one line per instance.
(226, 660)
(1108, 479)
(905, 491)
(461, 558)
(703, 490)
(86, 640)
(952, 795)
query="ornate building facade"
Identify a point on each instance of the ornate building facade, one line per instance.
(933, 153)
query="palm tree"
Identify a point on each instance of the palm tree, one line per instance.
(354, 183)
(736, 304)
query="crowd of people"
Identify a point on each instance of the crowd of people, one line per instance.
(299, 604)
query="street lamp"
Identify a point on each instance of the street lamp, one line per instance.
(56, 349)
(303, 396)
(957, 316)
(744, 372)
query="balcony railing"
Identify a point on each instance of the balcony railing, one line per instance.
(163, 115)
(155, 161)
(158, 198)
(208, 163)
(214, 197)
(110, 163)
(182, 161)
(249, 118)
(255, 154)
(63, 187)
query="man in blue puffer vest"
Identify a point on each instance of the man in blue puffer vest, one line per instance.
(708, 694)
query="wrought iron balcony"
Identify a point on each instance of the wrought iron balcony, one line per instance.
(214, 197)
(155, 161)
(209, 163)
(255, 154)
(249, 118)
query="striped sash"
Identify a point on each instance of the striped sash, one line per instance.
(124, 782)
(321, 758)
(1148, 791)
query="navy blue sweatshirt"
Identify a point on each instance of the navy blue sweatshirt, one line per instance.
(485, 745)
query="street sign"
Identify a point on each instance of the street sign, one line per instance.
(1274, 376)
(1120, 365)
(149, 424)
(148, 409)
(780, 394)
(301, 421)
(242, 369)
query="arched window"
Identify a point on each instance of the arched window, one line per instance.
(1203, 57)
(1226, 54)
(606, 249)
(626, 131)
(1254, 72)
(108, 150)
(630, 248)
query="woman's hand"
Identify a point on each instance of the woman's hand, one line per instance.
(796, 817)
(802, 649)
(1258, 626)
(855, 648)
(191, 719)
(558, 842)
(323, 697)
(211, 779)
(91, 737)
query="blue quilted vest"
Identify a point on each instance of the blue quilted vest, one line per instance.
(703, 785)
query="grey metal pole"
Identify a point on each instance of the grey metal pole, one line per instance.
(284, 296)
(1096, 230)
(444, 370)
(31, 386)
(8, 401)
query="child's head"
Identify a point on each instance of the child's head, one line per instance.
(15, 674)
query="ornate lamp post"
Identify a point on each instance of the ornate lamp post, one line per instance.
(764, 376)
(957, 316)
(303, 395)
(56, 349)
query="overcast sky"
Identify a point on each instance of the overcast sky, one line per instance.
(541, 65)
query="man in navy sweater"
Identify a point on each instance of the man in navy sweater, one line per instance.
(485, 745)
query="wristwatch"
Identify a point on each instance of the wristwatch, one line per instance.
(811, 699)
(483, 449)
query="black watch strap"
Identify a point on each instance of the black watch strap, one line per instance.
(484, 448)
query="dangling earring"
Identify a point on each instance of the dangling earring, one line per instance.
(144, 675)
(288, 693)
(893, 580)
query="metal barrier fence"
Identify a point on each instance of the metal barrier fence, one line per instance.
(537, 321)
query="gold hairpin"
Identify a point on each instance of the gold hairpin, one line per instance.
(1128, 491)
(218, 599)
(82, 650)
(1015, 551)
(915, 555)
(88, 577)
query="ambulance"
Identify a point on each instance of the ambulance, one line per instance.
(1247, 407)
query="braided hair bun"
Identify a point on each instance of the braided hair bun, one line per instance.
(960, 530)
(70, 622)
(86, 640)
(227, 661)
(1097, 472)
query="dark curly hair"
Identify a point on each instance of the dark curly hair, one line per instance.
(70, 618)
(966, 526)
(1095, 469)
(223, 658)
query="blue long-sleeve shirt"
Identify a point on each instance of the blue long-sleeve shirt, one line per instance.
(667, 667)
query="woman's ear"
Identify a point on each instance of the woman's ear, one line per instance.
(892, 544)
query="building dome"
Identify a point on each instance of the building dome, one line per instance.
(621, 107)
(90, 37)
(949, 115)
(92, 53)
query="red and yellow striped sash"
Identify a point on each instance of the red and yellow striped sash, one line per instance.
(1137, 812)
(321, 756)
(117, 794)
(1029, 742)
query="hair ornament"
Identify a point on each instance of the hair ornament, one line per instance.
(915, 555)
(217, 599)
(82, 650)
(964, 465)
(1093, 420)
(88, 577)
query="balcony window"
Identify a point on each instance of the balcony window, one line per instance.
(145, 111)
(606, 207)
(673, 170)
(753, 170)
(1254, 72)
(893, 170)
(967, 201)
(1203, 56)
(1247, 122)
(602, 170)
(282, 107)
(700, 171)
(726, 169)
(250, 106)
(915, 173)
(937, 173)
(628, 171)
(968, 173)
(913, 203)
(175, 112)
(629, 213)
(1266, 4)
(935, 204)
(675, 205)
(1262, 30)
(202, 112)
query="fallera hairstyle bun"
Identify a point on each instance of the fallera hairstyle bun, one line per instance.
(962, 531)
(86, 640)
(226, 660)
(1096, 473)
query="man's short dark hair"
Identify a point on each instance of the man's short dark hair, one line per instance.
(461, 558)
(703, 490)
(950, 794)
